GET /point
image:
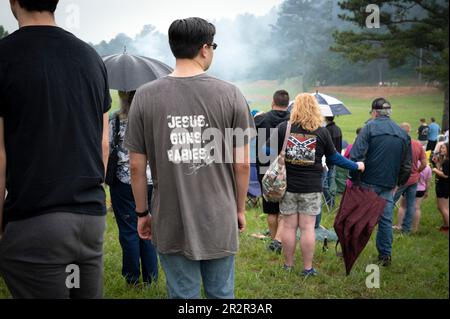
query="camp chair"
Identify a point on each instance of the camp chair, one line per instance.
(254, 188)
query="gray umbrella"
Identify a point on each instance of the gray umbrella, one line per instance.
(128, 72)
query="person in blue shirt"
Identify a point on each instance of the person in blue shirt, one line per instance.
(433, 133)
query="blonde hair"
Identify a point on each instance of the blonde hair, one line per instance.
(306, 112)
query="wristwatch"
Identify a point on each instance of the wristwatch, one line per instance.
(144, 214)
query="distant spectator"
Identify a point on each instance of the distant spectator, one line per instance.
(442, 187)
(422, 193)
(423, 132)
(350, 146)
(329, 185)
(433, 134)
(409, 190)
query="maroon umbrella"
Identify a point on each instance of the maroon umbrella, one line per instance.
(359, 213)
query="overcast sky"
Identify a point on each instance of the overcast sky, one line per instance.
(96, 20)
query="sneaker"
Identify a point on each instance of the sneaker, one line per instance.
(444, 229)
(287, 268)
(384, 261)
(311, 272)
(275, 246)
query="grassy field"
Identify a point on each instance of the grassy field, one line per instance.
(420, 266)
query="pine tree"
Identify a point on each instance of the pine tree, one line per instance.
(3, 32)
(408, 29)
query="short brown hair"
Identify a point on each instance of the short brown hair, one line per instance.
(281, 98)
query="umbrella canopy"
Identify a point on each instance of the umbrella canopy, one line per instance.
(329, 106)
(359, 213)
(128, 72)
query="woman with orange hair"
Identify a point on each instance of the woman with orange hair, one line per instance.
(308, 142)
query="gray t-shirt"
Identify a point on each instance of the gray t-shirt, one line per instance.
(181, 125)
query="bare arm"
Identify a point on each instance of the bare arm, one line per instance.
(2, 173)
(440, 173)
(138, 168)
(242, 174)
(105, 140)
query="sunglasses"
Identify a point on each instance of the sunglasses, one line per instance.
(213, 45)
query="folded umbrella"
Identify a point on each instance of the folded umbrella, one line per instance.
(128, 72)
(359, 213)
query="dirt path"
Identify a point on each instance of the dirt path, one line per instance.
(366, 92)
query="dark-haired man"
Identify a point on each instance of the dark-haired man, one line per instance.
(386, 152)
(53, 149)
(182, 125)
(264, 124)
(330, 187)
(423, 133)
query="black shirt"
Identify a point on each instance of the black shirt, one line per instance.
(445, 169)
(304, 153)
(336, 137)
(423, 132)
(267, 121)
(53, 95)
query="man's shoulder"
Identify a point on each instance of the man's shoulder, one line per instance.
(7, 42)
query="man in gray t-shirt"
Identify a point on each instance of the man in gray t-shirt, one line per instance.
(194, 130)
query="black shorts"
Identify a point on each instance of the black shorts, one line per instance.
(268, 207)
(442, 190)
(431, 146)
(420, 194)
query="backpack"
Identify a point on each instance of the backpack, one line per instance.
(274, 182)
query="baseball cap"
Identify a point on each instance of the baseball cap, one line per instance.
(381, 104)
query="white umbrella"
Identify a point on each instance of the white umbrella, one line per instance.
(329, 106)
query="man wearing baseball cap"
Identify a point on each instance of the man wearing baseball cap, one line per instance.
(385, 149)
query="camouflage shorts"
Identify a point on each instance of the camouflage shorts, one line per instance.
(308, 204)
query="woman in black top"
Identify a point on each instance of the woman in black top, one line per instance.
(442, 189)
(308, 143)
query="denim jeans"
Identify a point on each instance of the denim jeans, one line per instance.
(184, 276)
(134, 250)
(385, 237)
(410, 196)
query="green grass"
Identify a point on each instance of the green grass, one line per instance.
(420, 266)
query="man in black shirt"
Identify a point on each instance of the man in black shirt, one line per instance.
(423, 133)
(330, 178)
(264, 124)
(54, 97)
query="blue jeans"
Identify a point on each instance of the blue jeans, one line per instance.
(134, 250)
(385, 237)
(410, 196)
(184, 277)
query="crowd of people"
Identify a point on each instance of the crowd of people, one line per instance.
(184, 212)
(391, 163)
